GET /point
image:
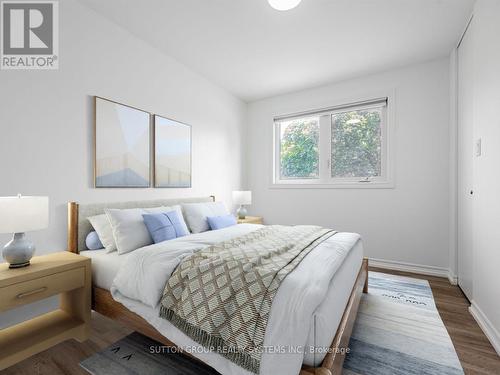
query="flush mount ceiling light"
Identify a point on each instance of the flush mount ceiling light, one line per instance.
(284, 4)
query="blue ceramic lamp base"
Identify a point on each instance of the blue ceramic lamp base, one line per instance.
(242, 212)
(18, 251)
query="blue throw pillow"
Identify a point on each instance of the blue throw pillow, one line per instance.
(93, 242)
(219, 222)
(165, 226)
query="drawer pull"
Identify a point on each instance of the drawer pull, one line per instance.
(27, 294)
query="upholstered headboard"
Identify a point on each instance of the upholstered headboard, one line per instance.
(79, 227)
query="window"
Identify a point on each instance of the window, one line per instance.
(356, 144)
(344, 146)
(299, 148)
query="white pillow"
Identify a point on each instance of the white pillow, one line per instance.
(196, 214)
(101, 225)
(129, 231)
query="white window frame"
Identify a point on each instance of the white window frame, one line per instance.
(325, 180)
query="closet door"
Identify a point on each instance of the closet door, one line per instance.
(465, 158)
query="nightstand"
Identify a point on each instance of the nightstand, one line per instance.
(251, 220)
(64, 273)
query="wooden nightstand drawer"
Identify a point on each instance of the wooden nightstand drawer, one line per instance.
(251, 220)
(42, 287)
(65, 274)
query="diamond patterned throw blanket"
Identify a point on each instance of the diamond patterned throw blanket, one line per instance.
(221, 296)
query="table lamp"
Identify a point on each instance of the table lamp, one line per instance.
(242, 198)
(18, 215)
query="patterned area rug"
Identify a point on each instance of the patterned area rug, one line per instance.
(398, 331)
(139, 355)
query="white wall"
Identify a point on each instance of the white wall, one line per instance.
(486, 124)
(409, 223)
(46, 120)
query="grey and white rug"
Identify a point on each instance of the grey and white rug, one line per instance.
(398, 331)
(139, 355)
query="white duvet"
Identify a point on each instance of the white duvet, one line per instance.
(140, 282)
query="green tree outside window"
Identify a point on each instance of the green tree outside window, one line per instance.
(356, 144)
(299, 151)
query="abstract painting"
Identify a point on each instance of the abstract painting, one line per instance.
(172, 153)
(122, 139)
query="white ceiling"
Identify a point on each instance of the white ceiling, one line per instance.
(254, 51)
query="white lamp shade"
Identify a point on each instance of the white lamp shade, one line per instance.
(242, 197)
(23, 214)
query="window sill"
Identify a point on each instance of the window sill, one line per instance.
(346, 185)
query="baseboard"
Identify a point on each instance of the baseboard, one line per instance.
(453, 278)
(410, 267)
(491, 333)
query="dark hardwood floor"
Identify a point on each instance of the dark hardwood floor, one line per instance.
(474, 350)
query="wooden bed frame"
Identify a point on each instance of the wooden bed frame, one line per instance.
(103, 303)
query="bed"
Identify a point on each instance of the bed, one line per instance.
(330, 328)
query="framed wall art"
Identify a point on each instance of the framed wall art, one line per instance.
(172, 153)
(122, 145)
